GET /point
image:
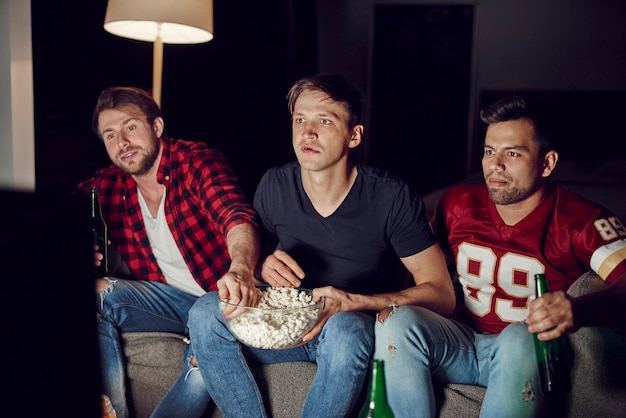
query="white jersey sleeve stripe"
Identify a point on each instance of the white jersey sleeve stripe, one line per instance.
(607, 257)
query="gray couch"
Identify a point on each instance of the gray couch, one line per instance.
(598, 376)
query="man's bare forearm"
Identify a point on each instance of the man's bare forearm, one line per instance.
(243, 247)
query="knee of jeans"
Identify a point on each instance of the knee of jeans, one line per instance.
(402, 325)
(384, 342)
(359, 326)
(385, 313)
(399, 317)
(513, 350)
(104, 287)
(202, 308)
(349, 330)
(516, 340)
(348, 321)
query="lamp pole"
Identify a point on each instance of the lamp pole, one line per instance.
(157, 66)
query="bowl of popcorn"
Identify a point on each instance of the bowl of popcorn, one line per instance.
(279, 319)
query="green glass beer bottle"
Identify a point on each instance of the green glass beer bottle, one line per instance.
(100, 233)
(376, 405)
(552, 358)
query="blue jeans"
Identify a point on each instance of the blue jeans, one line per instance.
(132, 306)
(342, 352)
(420, 347)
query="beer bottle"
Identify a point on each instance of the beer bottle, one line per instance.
(552, 358)
(376, 405)
(100, 233)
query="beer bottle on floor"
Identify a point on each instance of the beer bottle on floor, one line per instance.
(552, 358)
(100, 234)
(107, 407)
(376, 405)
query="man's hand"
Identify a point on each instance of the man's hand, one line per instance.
(551, 315)
(97, 255)
(279, 269)
(238, 285)
(237, 290)
(335, 301)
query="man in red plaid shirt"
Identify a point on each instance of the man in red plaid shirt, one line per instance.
(178, 219)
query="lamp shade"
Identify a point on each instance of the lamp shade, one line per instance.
(173, 21)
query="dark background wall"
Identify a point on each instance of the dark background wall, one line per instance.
(404, 55)
(421, 73)
(572, 52)
(228, 92)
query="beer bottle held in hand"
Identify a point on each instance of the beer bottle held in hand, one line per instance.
(552, 358)
(100, 232)
(376, 405)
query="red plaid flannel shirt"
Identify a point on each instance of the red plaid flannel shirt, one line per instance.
(203, 202)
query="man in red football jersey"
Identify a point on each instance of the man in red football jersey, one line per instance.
(500, 234)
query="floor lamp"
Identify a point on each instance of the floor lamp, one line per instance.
(160, 21)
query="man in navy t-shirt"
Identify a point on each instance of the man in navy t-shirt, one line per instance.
(340, 229)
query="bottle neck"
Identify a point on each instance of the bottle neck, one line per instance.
(94, 203)
(541, 285)
(377, 387)
(96, 211)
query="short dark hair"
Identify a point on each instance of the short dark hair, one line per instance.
(518, 107)
(120, 97)
(337, 89)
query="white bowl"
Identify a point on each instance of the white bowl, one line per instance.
(280, 320)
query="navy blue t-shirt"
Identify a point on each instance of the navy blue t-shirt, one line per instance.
(356, 248)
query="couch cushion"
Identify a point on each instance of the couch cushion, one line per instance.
(154, 362)
(454, 400)
(288, 383)
(155, 359)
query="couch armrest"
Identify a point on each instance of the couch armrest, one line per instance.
(587, 283)
(598, 382)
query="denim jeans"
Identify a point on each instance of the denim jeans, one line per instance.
(132, 306)
(420, 347)
(342, 352)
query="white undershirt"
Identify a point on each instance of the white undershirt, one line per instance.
(164, 248)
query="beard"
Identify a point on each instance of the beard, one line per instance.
(144, 161)
(511, 195)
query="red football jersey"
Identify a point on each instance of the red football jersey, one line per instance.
(564, 237)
